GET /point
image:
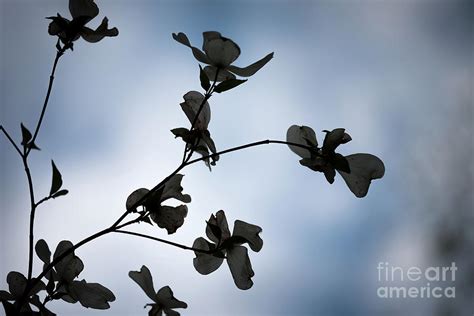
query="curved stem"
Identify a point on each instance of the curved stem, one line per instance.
(262, 142)
(59, 53)
(161, 240)
(117, 226)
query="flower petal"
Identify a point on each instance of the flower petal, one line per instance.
(100, 32)
(134, 197)
(144, 279)
(16, 283)
(166, 298)
(240, 267)
(205, 263)
(220, 221)
(58, 25)
(198, 54)
(173, 189)
(335, 138)
(249, 232)
(209, 36)
(192, 102)
(83, 8)
(70, 266)
(251, 69)
(170, 218)
(221, 51)
(221, 76)
(364, 168)
(303, 135)
(91, 295)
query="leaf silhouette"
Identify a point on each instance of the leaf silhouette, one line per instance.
(57, 180)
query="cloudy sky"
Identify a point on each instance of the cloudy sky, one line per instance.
(398, 75)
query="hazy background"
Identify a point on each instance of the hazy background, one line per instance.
(398, 75)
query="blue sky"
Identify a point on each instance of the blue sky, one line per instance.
(397, 75)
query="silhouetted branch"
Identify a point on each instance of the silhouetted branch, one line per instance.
(162, 240)
(11, 140)
(32, 214)
(262, 142)
(59, 53)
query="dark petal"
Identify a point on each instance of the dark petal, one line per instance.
(70, 266)
(16, 283)
(190, 106)
(167, 300)
(144, 279)
(99, 33)
(198, 54)
(250, 233)
(303, 135)
(221, 76)
(240, 267)
(329, 173)
(170, 218)
(335, 138)
(208, 36)
(339, 162)
(83, 8)
(206, 137)
(220, 221)
(205, 263)
(91, 295)
(252, 69)
(364, 168)
(134, 197)
(42, 251)
(173, 189)
(221, 51)
(58, 24)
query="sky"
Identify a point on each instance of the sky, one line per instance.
(398, 75)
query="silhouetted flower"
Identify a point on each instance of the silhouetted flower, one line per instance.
(219, 53)
(168, 217)
(17, 283)
(357, 170)
(164, 300)
(229, 247)
(199, 138)
(82, 12)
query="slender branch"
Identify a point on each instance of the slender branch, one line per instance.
(43, 200)
(11, 140)
(117, 226)
(59, 53)
(162, 240)
(32, 215)
(262, 142)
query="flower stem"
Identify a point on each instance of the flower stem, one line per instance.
(207, 96)
(162, 240)
(116, 227)
(59, 53)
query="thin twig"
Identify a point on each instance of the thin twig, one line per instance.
(11, 140)
(162, 240)
(59, 53)
(32, 215)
